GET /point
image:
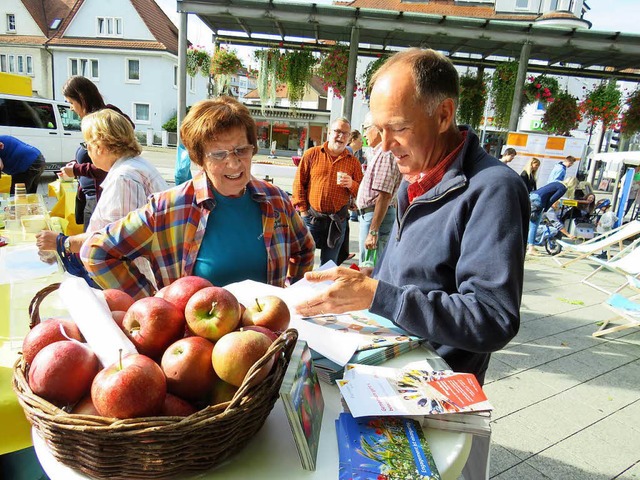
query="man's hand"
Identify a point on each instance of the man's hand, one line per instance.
(345, 180)
(46, 240)
(371, 242)
(350, 291)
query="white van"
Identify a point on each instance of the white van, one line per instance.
(48, 125)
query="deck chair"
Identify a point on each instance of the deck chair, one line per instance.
(599, 243)
(626, 263)
(625, 308)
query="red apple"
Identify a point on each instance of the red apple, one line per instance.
(85, 407)
(180, 291)
(212, 312)
(187, 366)
(176, 407)
(269, 333)
(117, 299)
(222, 392)
(235, 353)
(118, 317)
(160, 293)
(153, 324)
(46, 333)
(62, 372)
(268, 311)
(134, 386)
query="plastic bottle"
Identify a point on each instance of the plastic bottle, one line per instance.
(370, 258)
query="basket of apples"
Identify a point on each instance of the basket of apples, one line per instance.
(194, 368)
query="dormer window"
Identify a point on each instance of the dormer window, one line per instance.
(11, 23)
(109, 27)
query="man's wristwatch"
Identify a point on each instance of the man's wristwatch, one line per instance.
(373, 233)
(67, 246)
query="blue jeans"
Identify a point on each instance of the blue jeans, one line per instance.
(533, 228)
(319, 230)
(383, 232)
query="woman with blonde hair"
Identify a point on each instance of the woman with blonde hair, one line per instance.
(113, 147)
(529, 174)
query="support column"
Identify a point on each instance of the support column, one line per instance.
(517, 94)
(347, 104)
(182, 71)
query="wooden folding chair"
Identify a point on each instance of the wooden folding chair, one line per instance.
(623, 307)
(599, 243)
(626, 263)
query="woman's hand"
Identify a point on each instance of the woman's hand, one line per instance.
(46, 240)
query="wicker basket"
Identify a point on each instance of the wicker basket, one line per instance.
(154, 447)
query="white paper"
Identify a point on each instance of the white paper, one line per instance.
(94, 320)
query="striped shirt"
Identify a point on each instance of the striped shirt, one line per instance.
(315, 184)
(169, 229)
(381, 175)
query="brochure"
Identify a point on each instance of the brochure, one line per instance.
(303, 404)
(393, 448)
(415, 389)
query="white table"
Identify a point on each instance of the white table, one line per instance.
(272, 454)
(279, 171)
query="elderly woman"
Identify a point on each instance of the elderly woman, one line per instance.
(112, 145)
(223, 225)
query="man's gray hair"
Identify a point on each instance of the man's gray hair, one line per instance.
(341, 119)
(435, 76)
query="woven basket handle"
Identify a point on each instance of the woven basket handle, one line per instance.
(34, 306)
(284, 344)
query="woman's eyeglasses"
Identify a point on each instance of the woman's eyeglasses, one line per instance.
(83, 145)
(243, 153)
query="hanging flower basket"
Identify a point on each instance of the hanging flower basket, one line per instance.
(503, 84)
(541, 89)
(372, 68)
(473, 95)
(269, 64)
(563, 115)
(198, 61)
(225, 62)
(333, 70)
(631, 118)
(602, 103)
(296, 71)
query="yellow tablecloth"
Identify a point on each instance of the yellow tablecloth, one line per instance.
(65, 207)
(5, 183)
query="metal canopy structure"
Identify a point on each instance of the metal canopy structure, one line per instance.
(467, 41)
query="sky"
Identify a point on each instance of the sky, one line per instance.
(605, 15)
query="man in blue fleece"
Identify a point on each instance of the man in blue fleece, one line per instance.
(452, 271)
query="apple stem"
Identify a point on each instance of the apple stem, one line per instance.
(258, 304)
(120, 357)
(213, 308)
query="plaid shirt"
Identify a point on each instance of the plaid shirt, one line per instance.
(315, 184)
(381, 175)
(169, 229)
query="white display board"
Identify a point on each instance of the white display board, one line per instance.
(549, 149)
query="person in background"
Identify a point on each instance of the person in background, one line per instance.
(377, 201)
(22, 161)
(223, 225)
(559, 171)
(113, 147)
(85, 98)
(605, 223)
(508, 155)
(325, 180)
(355, 148)
(451, 272)
(541, 199)
(529, 174)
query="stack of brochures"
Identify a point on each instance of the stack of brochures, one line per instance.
(392, 448)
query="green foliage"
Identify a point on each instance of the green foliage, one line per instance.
(563, 115)
(268, 74)
(171, 125)
(540, 88)
(225, 62)
(473, 96)
(368, 74)
(296, 71)
(503, 85)
(198, 61)
(631, 117)
(333, 69)
(602, 103)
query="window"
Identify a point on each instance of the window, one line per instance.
(3, 63)
(133, 70)
(175, 76)
(29, 64)
(522, 4)
(12, 64)
(70, 119)
(11, 23)
(16, 64)
(141, 113)
(20, 59)
(109, 27)
(84, 66)
(192, 84)
(27, 114)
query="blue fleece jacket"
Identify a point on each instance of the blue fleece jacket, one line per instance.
(453, 269)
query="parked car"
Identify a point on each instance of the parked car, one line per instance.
(48, 125)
